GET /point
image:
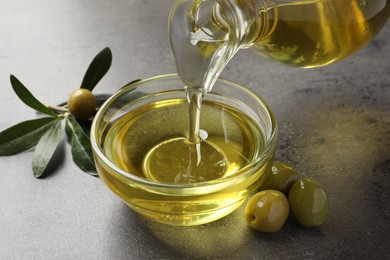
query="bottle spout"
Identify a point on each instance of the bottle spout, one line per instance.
(205, 35)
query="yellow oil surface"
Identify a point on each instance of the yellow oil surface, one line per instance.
(150, 142)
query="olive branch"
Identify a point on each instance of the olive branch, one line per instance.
(45, 133)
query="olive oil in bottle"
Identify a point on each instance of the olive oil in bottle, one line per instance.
(316, 33)
(301, 33)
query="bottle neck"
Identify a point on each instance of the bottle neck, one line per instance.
(245, 21)
(206, 34)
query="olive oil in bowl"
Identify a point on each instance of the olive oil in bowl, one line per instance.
(151, 142)
(143, 154)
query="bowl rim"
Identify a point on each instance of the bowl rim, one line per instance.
(242, 173)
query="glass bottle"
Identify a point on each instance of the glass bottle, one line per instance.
(206, 34)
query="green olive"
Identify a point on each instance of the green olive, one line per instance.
(308, 202)
(267, 211)
(82, 104)
(281, 177)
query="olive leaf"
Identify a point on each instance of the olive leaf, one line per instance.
(24, 135)
(45, 148)
(97, 69)
(25, 95)
(81, 146)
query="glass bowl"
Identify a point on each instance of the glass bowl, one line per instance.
(236, 125)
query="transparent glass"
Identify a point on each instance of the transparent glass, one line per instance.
(229, 111)
(206, 34)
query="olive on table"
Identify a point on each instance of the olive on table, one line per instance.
(82, 104)
(309, 202)
(281, 177)
(267, 211)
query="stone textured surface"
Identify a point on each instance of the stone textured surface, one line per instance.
(334, 126)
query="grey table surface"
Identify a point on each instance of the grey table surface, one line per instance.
(334, 126)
